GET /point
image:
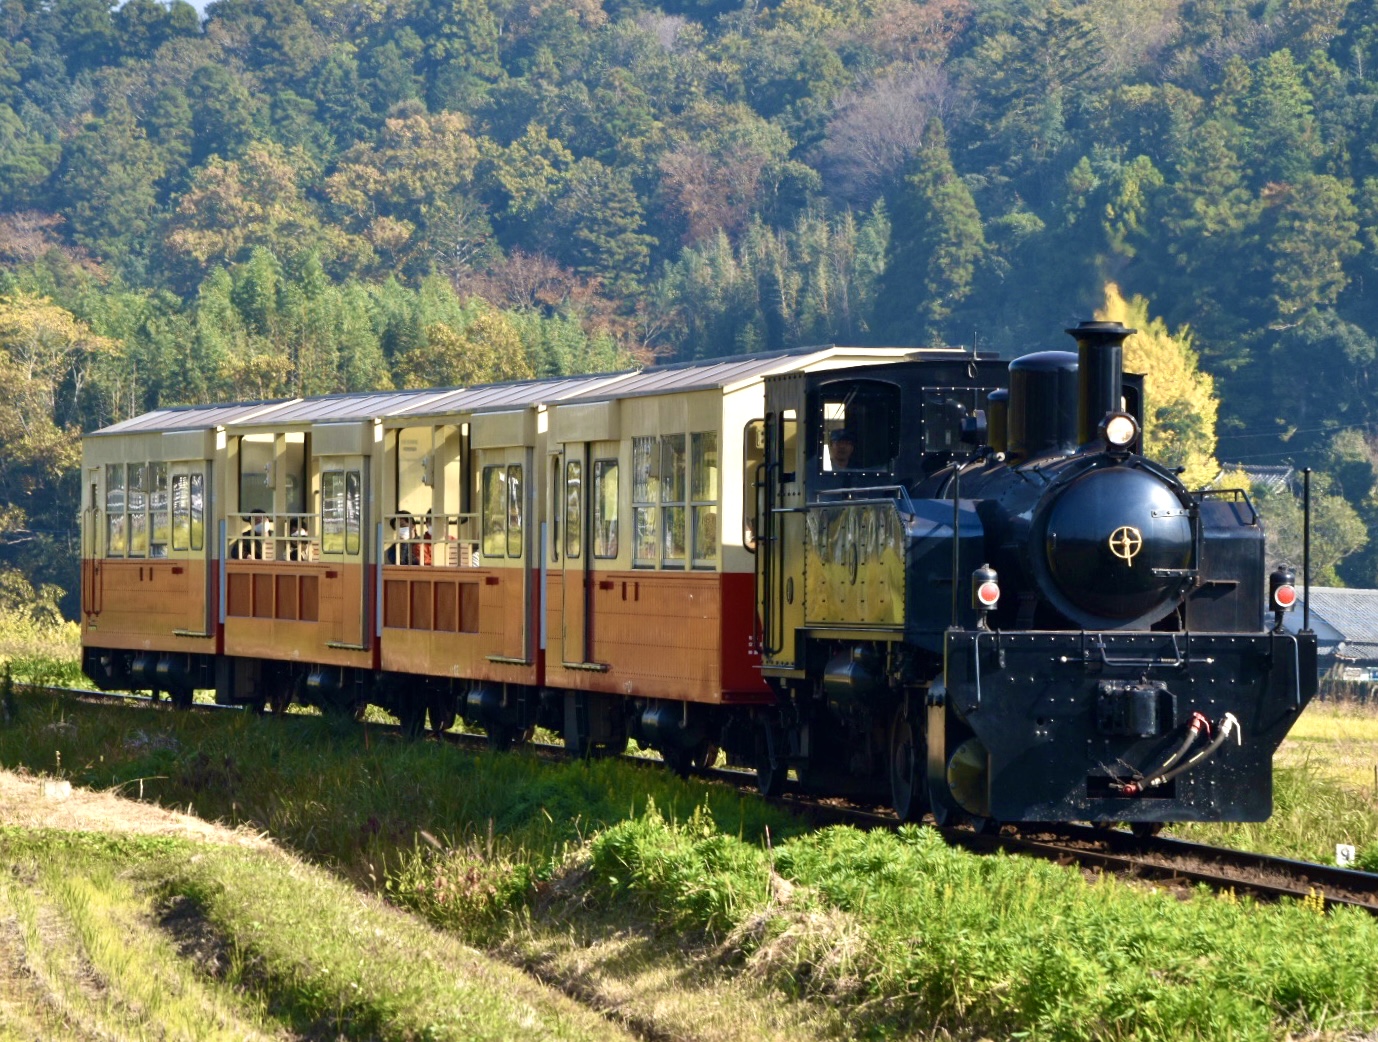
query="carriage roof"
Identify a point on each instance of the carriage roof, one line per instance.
(726, 374)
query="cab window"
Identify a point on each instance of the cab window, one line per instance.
(857, 426)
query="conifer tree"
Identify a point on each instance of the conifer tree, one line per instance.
(936, 242)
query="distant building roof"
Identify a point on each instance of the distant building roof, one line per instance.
(1354, 613)
(1276, 479)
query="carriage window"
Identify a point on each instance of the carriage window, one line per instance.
(753, 458)
(415, 470)
(857, 425)
(181, 512)
(574, 516)
(503, 511)
(158, 524)
(114, 510)
(645, 494)
(256, 473)
(672, 467)
(353, 511)
(704, 496)
(137, 497)
(514, 510)
(341, 511)
(605, 508)
(494, 512)
(198, 511)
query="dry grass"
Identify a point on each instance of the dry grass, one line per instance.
(1339, 740)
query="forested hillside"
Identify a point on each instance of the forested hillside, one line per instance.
(305, 196)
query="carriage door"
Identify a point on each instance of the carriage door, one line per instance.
(569, 547)
(344, 544)
(779, 555)
(91, 545)
(178, 530)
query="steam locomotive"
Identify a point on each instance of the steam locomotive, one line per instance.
(1057, 628)
(928, 575)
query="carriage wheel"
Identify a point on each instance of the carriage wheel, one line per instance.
(411, 718)
(442, 714)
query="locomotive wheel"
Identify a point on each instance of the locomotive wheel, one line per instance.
(908, 773)
(770, 778)
(1145, 829)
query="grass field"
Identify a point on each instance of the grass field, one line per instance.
(593, 874)
(1339, 740)
(680, 908)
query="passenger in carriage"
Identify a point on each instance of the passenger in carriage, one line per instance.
(401, 550)
(249, 546)
(421, 529)
(298, 546)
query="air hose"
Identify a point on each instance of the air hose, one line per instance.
(1228, 726)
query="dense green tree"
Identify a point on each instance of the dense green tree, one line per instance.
(1314, 234)
(1278, 117)
(27, 158)
(108, 177)
(936, 242)
(1337, 531)
(1179, 400)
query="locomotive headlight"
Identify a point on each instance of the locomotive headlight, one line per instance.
(1119, 430)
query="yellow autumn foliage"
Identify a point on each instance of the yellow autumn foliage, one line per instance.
(1180, 406)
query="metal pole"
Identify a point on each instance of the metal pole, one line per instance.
(956, 520)
(1306, 551)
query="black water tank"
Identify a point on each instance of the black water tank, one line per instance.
(1043, 405)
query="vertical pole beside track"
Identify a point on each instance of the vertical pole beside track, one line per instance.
(1306, 551)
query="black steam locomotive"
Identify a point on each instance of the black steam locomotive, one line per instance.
(974, 587)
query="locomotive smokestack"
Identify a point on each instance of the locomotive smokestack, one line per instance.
(1100, 364)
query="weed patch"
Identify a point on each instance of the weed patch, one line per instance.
(915, 933)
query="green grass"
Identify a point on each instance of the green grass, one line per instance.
(914, 934)
(42, 653)
(909, 935)
(160, 938)
(350, 797)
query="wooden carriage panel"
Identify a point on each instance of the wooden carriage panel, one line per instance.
(452, 622)
(276, 610)
(658, 634)
(150, 605)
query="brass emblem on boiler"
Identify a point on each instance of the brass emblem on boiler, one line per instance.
(1125, 543)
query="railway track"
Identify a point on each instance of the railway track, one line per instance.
(1162, 860)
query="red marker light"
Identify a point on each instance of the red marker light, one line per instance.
(988, 593)
(1285, 596)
